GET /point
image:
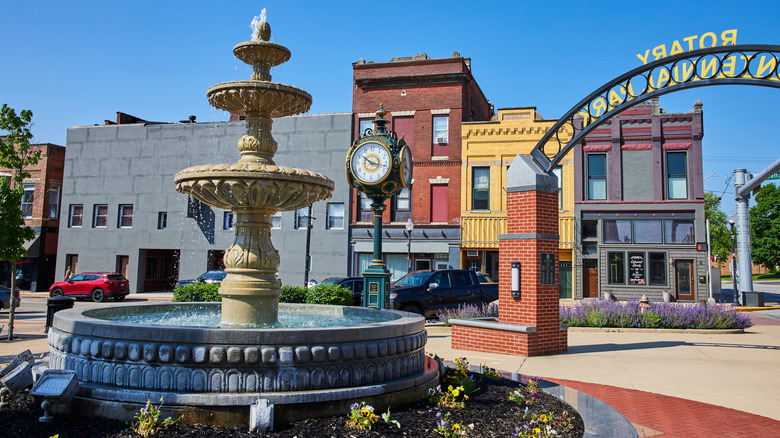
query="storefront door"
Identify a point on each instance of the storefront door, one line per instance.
(590, 282)
(683, 273)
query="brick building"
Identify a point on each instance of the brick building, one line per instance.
(489, 148)
(427, 100)
(41, 211)
(639, 206)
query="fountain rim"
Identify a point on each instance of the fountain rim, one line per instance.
(261, 46)
(77, 322)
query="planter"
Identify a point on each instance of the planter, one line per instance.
(608, 296)
(667, 297)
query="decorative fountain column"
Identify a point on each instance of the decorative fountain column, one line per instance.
(255, 188)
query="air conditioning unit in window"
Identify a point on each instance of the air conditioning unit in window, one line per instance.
(441, 140)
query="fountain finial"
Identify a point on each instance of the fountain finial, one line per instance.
(261, 30)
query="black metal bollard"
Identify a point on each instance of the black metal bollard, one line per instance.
(54, 305)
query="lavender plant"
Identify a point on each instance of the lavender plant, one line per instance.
(630, 314)
(469, 311)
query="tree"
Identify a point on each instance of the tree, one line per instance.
(765, 227)
(720, 235)
(15, 155)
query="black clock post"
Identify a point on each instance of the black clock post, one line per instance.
(379, 165)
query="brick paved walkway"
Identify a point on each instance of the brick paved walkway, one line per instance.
(656, 415)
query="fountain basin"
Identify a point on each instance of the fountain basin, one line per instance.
(261, 52)
(270, 99)
(254, 185)
(203, 371)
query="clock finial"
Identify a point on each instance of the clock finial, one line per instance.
(380, 120)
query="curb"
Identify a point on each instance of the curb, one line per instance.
(659, 330)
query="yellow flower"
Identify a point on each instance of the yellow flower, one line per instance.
(450, 387)
(465, 397)
(543, 418)
(455, 392)
(456, 427)
(536, 431)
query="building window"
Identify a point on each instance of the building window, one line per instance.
(276, 220)
(125, 215)
(648, 231)
(656, 265)
(558, 172)
(27, 200)
(364, 204)
(677, 175)
(617, 231)
(301, 218)
(402, 205)
(678, 231)
(365, 124)
(100, 216)
(335, 216)
(193, 207)
(480, 188)
(439, 207)
(441, 129)
(75, 215)
(227, 220)
(162, 220)
(54, 202)
(597, 176)
(617, 267)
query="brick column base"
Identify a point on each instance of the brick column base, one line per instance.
(531, 239)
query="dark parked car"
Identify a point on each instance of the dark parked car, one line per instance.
(5, 298)
(95, 285)
(355, 284)
(430, 292)
(210, 277)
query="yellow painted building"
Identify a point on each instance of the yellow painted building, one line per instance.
(488, 149)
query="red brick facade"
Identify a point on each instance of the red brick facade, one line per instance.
(428, 88)
(38, 267)
(532, 227)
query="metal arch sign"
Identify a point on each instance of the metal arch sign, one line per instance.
(755, 64)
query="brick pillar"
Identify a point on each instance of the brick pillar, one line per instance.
(532, 240)
(532, 230)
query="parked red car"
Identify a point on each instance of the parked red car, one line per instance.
(95, 285)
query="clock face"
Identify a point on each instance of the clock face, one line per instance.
(371, 163)
(406, 166)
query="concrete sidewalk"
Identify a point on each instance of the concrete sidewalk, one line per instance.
(661, 381)
(737, 371)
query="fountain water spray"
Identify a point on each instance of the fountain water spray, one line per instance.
(256, 24)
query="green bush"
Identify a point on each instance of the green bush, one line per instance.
(197, 292)
(293, 294)
(329, 294)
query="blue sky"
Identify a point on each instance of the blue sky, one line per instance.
(78, 63)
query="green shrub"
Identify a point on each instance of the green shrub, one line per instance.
(293, 294)
(329, 294)
(197, 292)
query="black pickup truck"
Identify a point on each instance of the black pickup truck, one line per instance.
(430, 292)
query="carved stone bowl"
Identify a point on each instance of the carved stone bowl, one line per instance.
(261, 52)
(253, 185)
(269, 99)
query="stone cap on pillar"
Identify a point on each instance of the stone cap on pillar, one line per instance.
(524, 175)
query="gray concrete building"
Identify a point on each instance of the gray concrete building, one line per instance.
(121, 211)
(639, 206)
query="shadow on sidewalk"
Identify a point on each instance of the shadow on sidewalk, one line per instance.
(599, 348)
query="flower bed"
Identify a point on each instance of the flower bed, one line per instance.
(469, 311)
(632, 314)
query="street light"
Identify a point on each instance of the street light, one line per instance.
(705, 178)
(409, 227)
(732, 219)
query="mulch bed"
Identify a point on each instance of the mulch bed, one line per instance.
(489, 409)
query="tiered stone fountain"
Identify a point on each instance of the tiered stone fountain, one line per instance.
(125, 355)
(255, 188)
